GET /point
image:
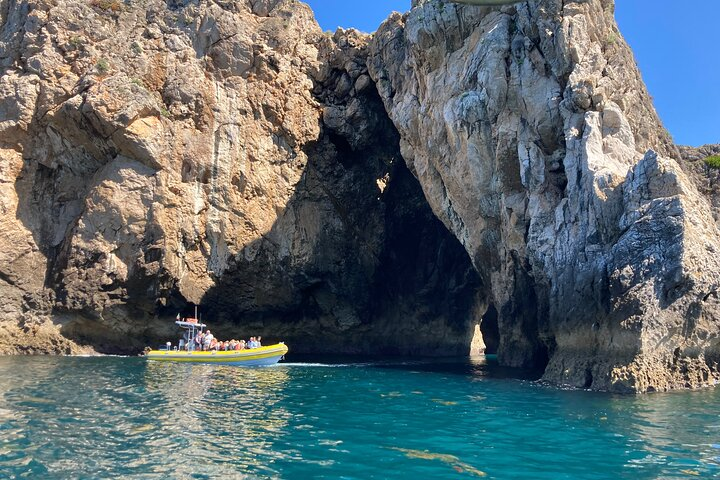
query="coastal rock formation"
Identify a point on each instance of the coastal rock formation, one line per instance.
(464, 169)
(227, 154)
(705, 178)
(534, 140)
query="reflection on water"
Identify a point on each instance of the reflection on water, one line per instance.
(122, 417)
(477, 367)
(660, 425)
(216, 414)
(151, 420)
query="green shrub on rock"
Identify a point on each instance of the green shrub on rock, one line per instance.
(102, 66)
(713, 161)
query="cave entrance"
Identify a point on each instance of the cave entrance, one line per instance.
(486, 336)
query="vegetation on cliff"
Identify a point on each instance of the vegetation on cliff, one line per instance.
(712, 161)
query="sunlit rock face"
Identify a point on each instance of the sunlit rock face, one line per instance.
(530, 131)
(227, 154)
(350, 193)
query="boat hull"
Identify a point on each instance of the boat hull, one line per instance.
(262, 356)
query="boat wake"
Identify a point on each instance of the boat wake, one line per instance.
(319, 365)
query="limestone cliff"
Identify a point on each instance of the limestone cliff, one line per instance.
(530, 131)
(350, 193)
(230, 154)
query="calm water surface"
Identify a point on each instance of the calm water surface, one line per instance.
(125, 418)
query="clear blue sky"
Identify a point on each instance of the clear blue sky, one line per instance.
(676, 44)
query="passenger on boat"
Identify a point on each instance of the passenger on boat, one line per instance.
(257, 342)
(207, 341)
(240, 345)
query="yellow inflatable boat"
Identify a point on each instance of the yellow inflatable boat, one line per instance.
(268, 355)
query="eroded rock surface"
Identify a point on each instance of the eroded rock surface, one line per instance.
(228, 154)
(534, 140)
(349, 193)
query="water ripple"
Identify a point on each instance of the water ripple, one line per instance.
(120, 417)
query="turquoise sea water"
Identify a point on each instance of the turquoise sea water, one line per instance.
(110, 417)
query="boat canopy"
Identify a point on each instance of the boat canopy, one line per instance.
(190, 323)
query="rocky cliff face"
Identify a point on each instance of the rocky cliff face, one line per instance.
(528, 128)
(705, 178)
(228, 154)
(350, 193)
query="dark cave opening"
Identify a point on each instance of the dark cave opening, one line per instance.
(355, 263)
(490, 330)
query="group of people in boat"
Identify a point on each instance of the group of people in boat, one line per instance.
(206, 342)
